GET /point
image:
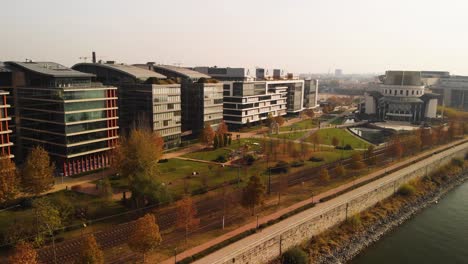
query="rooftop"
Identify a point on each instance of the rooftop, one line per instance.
(51, 69)
(132, 71)
(182, 72)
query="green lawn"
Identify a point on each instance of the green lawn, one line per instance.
(301, 125)
(209, 155)
(343, 135)
(290, 136)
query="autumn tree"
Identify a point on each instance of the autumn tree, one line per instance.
(222, 128)
(282, 186)
(187, 215)
(253, 193)
(90, 252)
(280, 120)
(207, 135)
(8, 179)
(269, 119)
(371, 157)
(315, 138)
(412, 143)
(324, 175)
(23, 253)
(335, 141)
(356, 162)
(136, 160)
(106, 188)
(145, 236)
(340, 170)
(426, 137)
(37, 176)
(395, 148)
(309, 112)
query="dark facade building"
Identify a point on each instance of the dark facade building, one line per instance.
(310, 93)
(202, 100)
(145, 98)
(6, 123)
(62, 110)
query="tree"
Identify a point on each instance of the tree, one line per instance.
(309, 112)
(24, 253)
(280, 120)
(216, 141)
(315, 138)
(106, 188)
(340, 170)
(253, 193)
(335, 141)
(356, 162)
(8, 179)
(145, 236)
(136, 160)
(48, 220)
(324, 175)
(38, 172)
(222, 128)
(207, 135)
(395, 149)
(295, 255)
(371, 158)
(269, 119)
(186, 215)
(90, 251)
(282, 186)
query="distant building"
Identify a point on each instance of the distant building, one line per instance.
(269, 80)
(251, 102)
(453, 91)
(401, 97)
(62, 110)
(338, 72)
(146, 98)
(228, 74)
(202, 98)
(310, 93)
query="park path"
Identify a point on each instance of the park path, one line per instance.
(313, 199)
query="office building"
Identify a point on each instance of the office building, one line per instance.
(252, 102)
(453, 90)
(146, 98)
(229, 74)
(401, 97)
(310, 93)
(62, 110)
(6, 122)
(202, 98)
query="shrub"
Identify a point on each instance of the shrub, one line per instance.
(295, 256)
(221, 159)
(406, 190)
(354, 222)
(201, 190)
(163, 160)
(315, 159)
(249, 159)
(458, 162)
(280, 167)
(348, 147)
(297, 163)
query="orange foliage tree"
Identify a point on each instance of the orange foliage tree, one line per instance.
(187, 215)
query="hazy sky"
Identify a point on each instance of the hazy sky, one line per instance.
(298, 35)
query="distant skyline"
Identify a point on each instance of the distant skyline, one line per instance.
(301, 36)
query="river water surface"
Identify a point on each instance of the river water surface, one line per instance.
(438, 234)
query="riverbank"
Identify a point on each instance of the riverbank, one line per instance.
(344, 242)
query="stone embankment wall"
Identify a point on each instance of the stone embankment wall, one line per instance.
(278, 238)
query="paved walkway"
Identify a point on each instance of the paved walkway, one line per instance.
(264, 219)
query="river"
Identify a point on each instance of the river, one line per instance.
(438, 234)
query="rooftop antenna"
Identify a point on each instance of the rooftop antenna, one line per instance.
(84, 58)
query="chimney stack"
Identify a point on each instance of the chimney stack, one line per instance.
(94, 57)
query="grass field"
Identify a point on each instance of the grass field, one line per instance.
(345, 137)
(337, 121)
(209, 155)
(304, 124)
(291, 136)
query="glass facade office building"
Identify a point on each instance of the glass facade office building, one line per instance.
(62, 110)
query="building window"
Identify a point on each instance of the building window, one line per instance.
(170, 106)
(412, 92)
(395, 92)
(401, 91)
(165, 122)
(407, 92)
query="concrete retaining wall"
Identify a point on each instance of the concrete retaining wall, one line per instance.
(303, 226)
